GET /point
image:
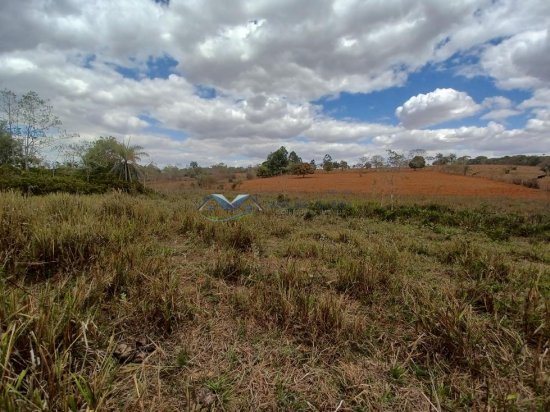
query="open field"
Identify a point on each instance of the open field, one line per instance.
(113, 302)
(404, 182)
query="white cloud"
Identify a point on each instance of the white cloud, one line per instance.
(500, 108)
(268, 60)
(436, 107)
(500, 114)
(541, 98)
(521, 61)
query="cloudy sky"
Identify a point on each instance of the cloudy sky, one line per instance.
(219, 80)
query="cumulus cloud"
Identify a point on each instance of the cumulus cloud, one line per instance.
(521, 61)
(500, 108)
(541, 98)
(267, 62)
(436, 107)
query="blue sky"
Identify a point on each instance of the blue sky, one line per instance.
(230, 82)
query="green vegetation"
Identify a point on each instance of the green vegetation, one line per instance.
(417, 162)
(302, 169)
(113, 302)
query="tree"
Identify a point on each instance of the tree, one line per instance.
(276, 163)
(343, 165)
(328, 165)
(107, 155)
(377, 161)
(11, 151)
(312, 163)
(294, 158)
(126, 166)
(463, 160)
(101, 155)
(417, 162)
(479, 160)
(395, 159)
(29, 119)
(363, 160)
(302, 169)
(440, 159)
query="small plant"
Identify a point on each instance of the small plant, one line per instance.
(221, 386)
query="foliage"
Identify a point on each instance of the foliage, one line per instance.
(107, 155)
(417, 162)
(328, 164)
(30, 119)
(302, 169)
(377, 161)
(276, 163)
(395, 159)
(42, 181)
(11, 150)
(294, 158)
(516, 160)
(343, 165)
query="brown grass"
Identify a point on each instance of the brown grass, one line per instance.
(131, 303)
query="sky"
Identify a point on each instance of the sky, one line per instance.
(231, 81)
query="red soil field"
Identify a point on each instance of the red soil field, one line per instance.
(402, 182)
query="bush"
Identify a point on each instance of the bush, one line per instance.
(41, 182)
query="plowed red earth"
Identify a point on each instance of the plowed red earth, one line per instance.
(403, 182)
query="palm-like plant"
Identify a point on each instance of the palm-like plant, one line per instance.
(126, 166)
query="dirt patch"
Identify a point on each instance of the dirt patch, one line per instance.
(402, 182)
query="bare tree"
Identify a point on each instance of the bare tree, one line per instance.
(29, 119)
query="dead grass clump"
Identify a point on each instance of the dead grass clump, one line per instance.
(456, 335)
(361, 277)
(48, 351)
(231, 266)
(64, 247)
(309, 316)
(304, 249)
(478, 263)
(239, 237)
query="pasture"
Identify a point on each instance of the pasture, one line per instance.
(377, 300)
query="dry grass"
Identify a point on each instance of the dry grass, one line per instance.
(132, 303)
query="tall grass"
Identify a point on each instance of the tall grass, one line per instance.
(111, 302)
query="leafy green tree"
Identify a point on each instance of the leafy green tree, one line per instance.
(107, 155)
(263, 171)
(417, 162)
(101, 156)
(276, 163)
(343, 165)
(126, 166)
(328, 164)
(313, 164)
(294, 158)
(302, 169)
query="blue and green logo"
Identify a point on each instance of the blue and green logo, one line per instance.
(217, 208)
